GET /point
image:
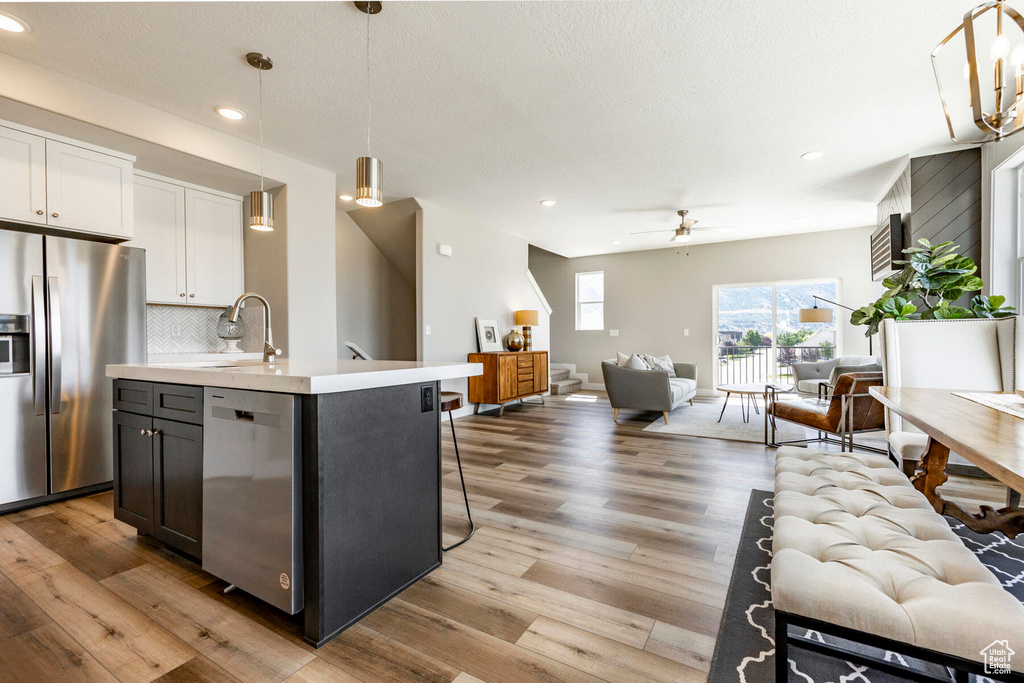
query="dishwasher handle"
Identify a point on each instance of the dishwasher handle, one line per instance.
(247, 416)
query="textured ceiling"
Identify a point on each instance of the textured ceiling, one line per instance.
(622, 111)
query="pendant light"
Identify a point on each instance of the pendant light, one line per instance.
(261, 202)
(979, 69)
(369, 171)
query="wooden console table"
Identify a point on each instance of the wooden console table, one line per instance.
(508, 376)
(988, 438)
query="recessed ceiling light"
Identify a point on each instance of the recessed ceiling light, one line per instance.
(345, 197)
(812, 155)
(229, 113)
(547, 202)
(9, 22)
(616, 241)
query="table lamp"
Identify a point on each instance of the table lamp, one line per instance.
(527, 319)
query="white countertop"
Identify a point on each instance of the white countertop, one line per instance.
(193, 356)
(296, 377)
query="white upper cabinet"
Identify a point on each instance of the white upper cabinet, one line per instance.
(88, 191)
(22, 176)
(214, 225)
(193, 242)
(54, 181)
(160, 230)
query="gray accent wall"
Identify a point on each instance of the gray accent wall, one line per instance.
(945, 200)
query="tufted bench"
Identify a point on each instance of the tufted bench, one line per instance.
(859, 553)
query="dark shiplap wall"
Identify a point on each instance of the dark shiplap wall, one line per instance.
(946, 200)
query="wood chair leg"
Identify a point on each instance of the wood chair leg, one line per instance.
(615, 417)
(909, 467)
(665, 415)
(691, 401)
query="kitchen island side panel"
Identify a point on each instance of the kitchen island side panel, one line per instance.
(371, 500)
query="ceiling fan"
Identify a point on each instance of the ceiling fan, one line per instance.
(683, 232)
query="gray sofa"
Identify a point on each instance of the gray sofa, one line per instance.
(807, 377)
(649, 389)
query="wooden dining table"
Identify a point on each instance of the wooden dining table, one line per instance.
(987, 438)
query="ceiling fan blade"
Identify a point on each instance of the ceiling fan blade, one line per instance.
(715, 227)
(648, 232)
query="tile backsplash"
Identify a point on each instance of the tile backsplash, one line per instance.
(192, 329)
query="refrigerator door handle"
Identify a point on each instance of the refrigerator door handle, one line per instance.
(38, 345)
(53, 293)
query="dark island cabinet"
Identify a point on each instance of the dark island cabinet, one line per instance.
(133, 470)
(158, 462)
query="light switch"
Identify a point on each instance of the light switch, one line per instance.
(428, 330)
(613, 333)
(175, 330)
(686, 331)
(444, 249)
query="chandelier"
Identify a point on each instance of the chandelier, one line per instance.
(979, 69)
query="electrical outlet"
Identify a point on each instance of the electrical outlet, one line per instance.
(428, 330)
(613, 333)
(175, 330)
(426, 399)
(686, 331)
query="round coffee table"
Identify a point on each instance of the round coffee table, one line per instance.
(747, 393)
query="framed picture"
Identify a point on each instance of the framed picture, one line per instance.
(487, 335)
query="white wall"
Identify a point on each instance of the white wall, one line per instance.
(309, 211)
(485, 277)
(376, 305)
(999, 209)
(651, 296)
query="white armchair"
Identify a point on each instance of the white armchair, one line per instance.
(970, 354)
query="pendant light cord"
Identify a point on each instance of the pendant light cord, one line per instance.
(261, 128)
(369, 110)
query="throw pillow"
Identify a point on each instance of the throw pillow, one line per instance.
(661, 363)
(635, 362)
(621, 358)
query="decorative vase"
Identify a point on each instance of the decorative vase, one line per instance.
(230, 332)
(514, 341)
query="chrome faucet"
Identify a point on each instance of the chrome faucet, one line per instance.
(270, 353)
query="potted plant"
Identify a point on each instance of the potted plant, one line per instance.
(931, 280)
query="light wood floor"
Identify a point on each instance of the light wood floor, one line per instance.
(602, 553)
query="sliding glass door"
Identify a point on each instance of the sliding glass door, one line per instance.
(760, 335)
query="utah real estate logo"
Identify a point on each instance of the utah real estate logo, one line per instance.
(997, 657)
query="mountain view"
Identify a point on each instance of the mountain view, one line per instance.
(750, 308)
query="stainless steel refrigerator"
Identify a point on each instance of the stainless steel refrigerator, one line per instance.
(68, 307)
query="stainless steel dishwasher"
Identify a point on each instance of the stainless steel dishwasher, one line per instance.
(252, 484)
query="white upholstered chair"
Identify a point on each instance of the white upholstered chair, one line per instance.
(970, 354)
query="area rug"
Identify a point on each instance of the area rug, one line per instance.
(745, 649)
(701, 419)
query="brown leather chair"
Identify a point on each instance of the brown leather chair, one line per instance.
(849, 410)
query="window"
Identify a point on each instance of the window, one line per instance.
(590, 301)
(760, 335)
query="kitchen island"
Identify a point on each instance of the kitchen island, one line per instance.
(314, 486)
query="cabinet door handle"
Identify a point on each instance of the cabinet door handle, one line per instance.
(154, 432)
(182, 294)
(143, 432)
(55, 214)
(40, 212)
(191, 296)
